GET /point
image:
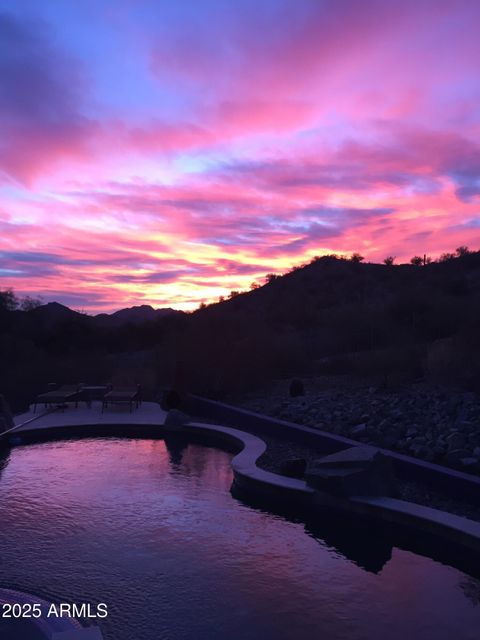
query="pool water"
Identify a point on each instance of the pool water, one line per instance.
(154, 532)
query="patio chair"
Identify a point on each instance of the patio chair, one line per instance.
(120, 395)
(60, 396)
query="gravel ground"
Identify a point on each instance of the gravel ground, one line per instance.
(421, 420)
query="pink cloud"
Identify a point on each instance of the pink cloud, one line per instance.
(293, 129)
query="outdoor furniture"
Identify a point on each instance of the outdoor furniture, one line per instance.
(94, 392)
(130, 395)
(66, 393)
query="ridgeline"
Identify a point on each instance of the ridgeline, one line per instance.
(396, 323)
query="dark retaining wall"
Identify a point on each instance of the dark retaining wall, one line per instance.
(455, 483)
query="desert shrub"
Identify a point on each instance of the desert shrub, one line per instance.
(356, 257)
(455, 361)
(382, 366)
(296, 388)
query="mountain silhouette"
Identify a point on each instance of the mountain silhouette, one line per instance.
(54, 313)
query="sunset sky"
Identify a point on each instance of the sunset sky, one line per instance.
(166, 152)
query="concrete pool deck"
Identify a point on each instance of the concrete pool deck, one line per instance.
(147, 413)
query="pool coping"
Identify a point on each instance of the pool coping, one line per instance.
(275, 487)
(244, 464)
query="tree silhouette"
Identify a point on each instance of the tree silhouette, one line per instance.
(270, 277)
(356, 257)
(462, 251)
(389, 260)
(418, 260)
(445, 257)
(8, 300)
(28, 303)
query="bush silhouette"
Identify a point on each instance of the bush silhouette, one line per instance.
(296, 388)
(356, 257)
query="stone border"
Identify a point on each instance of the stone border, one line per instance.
(448, 480)
(38, 435)
(272, 486)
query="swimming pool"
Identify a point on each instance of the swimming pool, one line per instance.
(154, 532)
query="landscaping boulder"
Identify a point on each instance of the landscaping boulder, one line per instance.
(296, 388)
(176, 419)
(454, 457)
(6, 418)
(353, 472)
(171, 399)
(455, 440)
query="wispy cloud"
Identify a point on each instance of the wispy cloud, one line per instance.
(173, 153)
